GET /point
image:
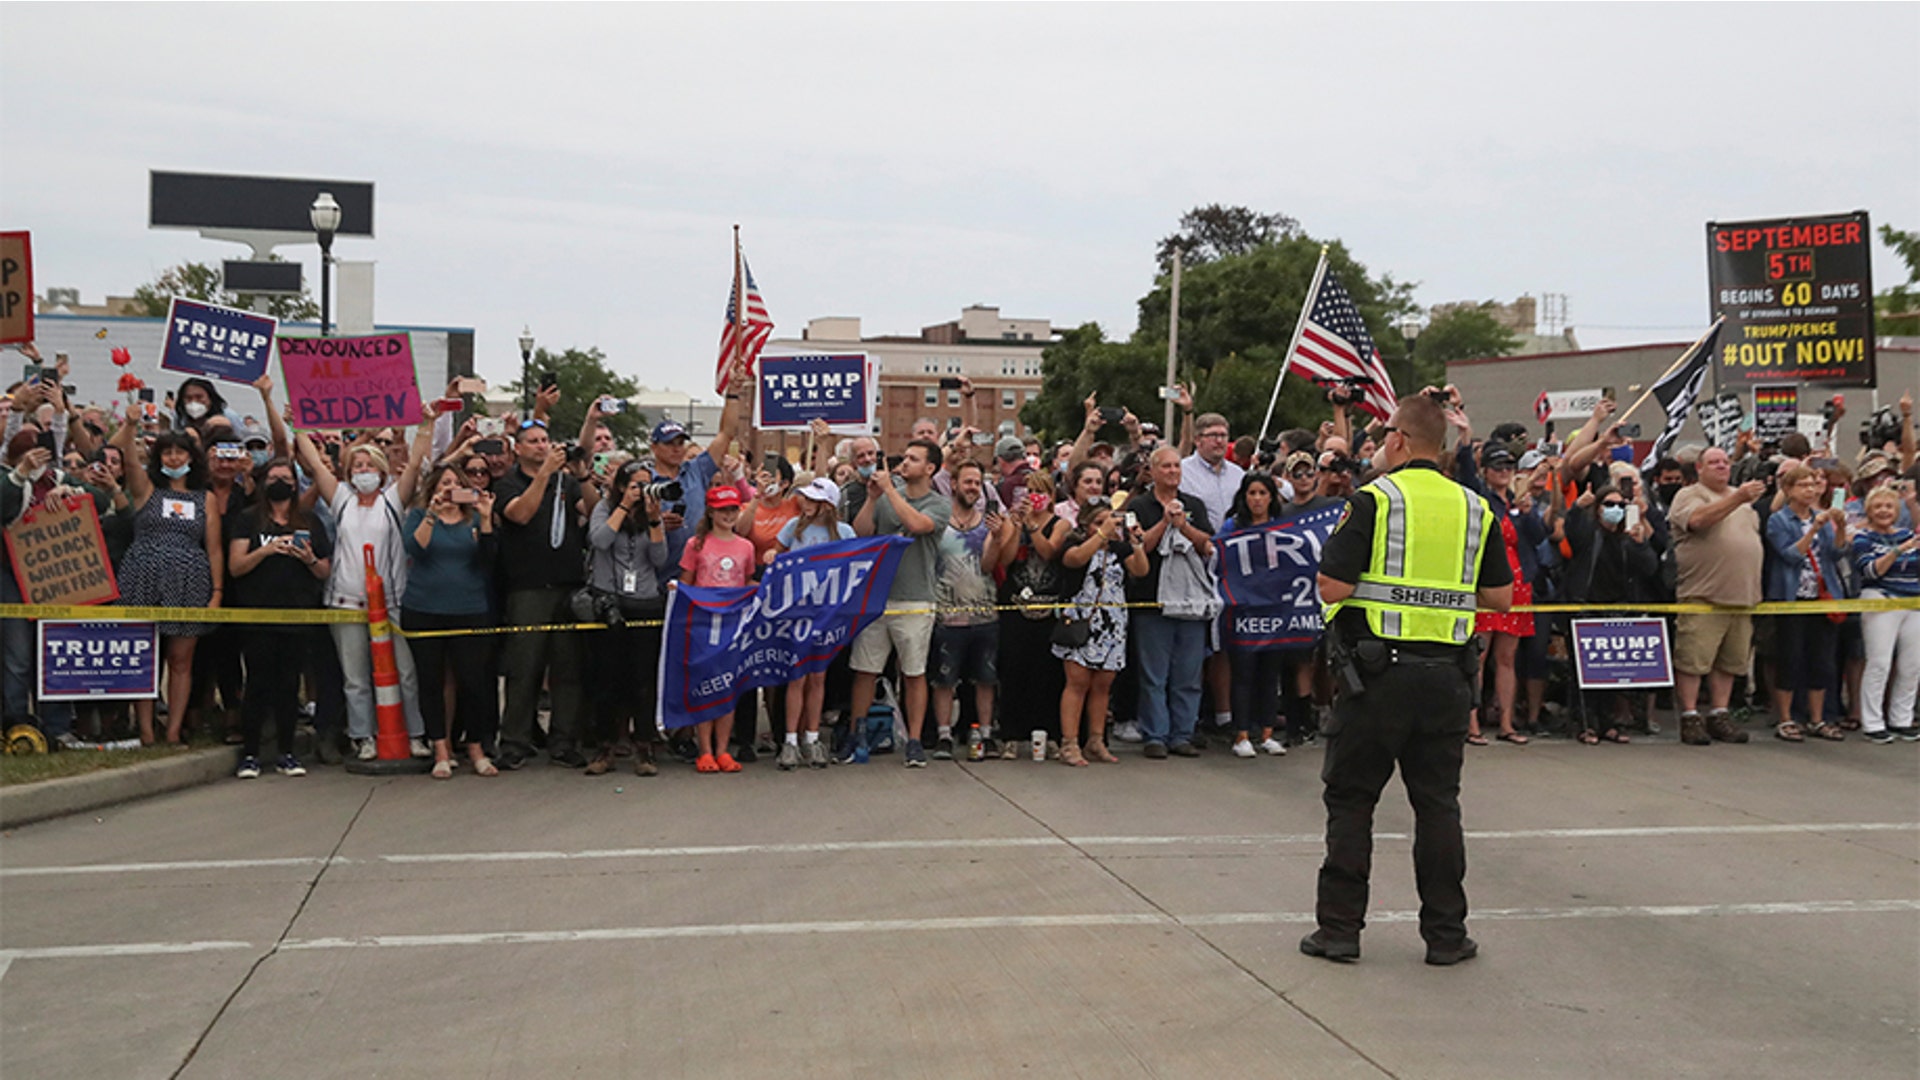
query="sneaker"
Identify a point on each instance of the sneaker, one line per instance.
(843, 754)
(1466, 950)
(419, 748)
(327, 748)
(568, 758)
(745, 755)
(1910, 733)
(789, 758)
(1693, 730)
(943, 749)
(1199, 740)
(1883, 737)
(510, 760)
(67, 740)
(817, 755)
(1244, 748)
(916, 755)
(249, 769)
(1720, 728)
(1187, 749)
(365, 750)
(1128, 731)
(1326, 948)
(1009, 750)
(290, 766)
(1272, 746)
(862, 755)
(989, 748)
(1156, 751)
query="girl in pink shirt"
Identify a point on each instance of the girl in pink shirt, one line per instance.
(717, 558)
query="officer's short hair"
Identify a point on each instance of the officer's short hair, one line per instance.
(1421, 420)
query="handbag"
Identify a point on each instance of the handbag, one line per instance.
(1072, 632)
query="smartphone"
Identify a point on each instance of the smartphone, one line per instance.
(45, 442)
(465, 496)
(470, 384)
(31, 373)
(146, 394)
(613, 406)
(1169, 393)
(1037, 499)
(450, 404)
(149, 412)
(983, 438)
(600, 462)
(1133, 521)
(1630, 431)
(302, 538)
(949, 384)
(1839, 500)
(1607, 392)
(1112, 414)
(1633, 515)
(549, 380)
(490, 446)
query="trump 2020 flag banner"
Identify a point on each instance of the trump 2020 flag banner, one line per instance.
(1268, 577)
(720, 643)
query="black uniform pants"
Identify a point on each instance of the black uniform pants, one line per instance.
(1413, 716)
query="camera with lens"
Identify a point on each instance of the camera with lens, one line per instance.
(663, 491)
(577, 453)
(1881, 428)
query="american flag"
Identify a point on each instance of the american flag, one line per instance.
(757, 329)
(1334, 342)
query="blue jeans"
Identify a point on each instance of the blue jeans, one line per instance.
(19, 640)
(354, 643)
(1171, 652)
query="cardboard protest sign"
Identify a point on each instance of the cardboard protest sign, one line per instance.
(98, 661)
(1776, 412)
(16, 287)
(59, 556)
(792, 390)
(350, 382)
(1720, 419)
(1622, 654)
(217, 342)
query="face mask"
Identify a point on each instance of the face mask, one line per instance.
(175, 472)
(196, 409)
(865, 471)
(260, 457)
(366, 483)
(1613, 515)
(1668, 491)
(279, 491)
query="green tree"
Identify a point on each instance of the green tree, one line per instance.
(1213, 232)
(1083, 361)
(201, 281)
(1460, 334)
(1897, 309)
(583, 376)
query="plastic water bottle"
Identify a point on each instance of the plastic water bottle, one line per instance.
(976, 745)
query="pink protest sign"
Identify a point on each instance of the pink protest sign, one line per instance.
(351, 382)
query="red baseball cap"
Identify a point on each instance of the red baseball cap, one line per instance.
(721, 498)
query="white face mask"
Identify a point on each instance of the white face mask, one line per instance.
(366, 483)
(196, 409)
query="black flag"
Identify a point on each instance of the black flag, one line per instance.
(1678, 389)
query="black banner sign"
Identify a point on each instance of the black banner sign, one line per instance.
(1797, 294)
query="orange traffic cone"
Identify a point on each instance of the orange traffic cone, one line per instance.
(390, 716)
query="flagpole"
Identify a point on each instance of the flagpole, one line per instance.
(1173, 342)
(1299, 326)
(739, 309)
(1677, 365)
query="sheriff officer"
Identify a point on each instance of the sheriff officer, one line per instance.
(1401, 576)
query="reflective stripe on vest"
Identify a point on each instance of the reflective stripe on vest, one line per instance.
(1428, 535)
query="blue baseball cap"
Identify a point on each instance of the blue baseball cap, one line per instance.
(667, 431)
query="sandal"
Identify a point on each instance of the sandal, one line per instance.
(1476, 739)
(1513, 737)
(1588, 738)
(1828, 732)
(484, 767)
(1070, 755)
(1851, 723)
(1097, 751)
(1615, 735)
(1789, 731)
(705, 763)
(443, 769)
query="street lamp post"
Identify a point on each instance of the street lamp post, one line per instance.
(526, 360)
(325, 216)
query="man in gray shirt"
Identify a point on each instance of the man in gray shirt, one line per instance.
(907, 507)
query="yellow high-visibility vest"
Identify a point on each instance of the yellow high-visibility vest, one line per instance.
(1428, 535)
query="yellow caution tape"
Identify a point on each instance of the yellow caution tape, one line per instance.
(318, 616)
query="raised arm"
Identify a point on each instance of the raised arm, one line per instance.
(133, 469)
(276, 427)
(315, 463)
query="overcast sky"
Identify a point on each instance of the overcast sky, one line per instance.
(578, 168)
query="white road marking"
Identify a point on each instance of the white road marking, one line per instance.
(978, 922)
(833, 847)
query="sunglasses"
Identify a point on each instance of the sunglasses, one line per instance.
(475, 472)
(525, 424)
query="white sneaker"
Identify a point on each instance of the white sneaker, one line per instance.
(420, 749)
(1272, 746)
(1128, 731)
(249, 769)
(365, 750)
(1243, 748)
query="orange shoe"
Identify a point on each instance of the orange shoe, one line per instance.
(725, 763)
(705, 763)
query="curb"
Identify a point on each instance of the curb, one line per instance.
(28, 803)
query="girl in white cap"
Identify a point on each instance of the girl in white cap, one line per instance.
(817, 523)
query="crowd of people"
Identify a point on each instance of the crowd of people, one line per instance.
(1082, 574)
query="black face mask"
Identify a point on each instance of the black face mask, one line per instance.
(279, 491)
(1668, 491)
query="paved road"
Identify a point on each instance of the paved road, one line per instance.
(1651, 910)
